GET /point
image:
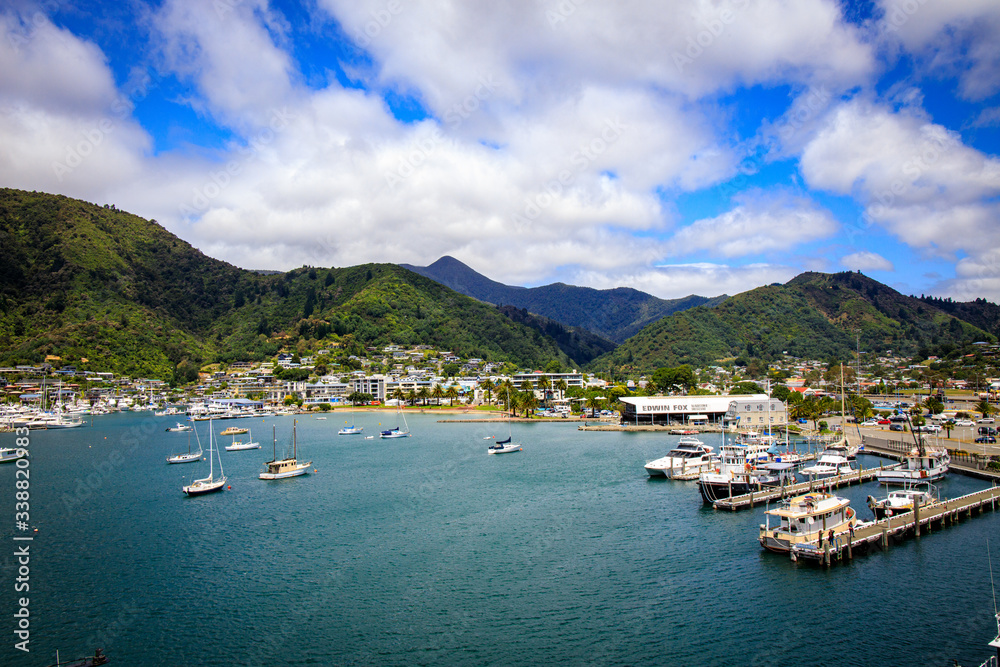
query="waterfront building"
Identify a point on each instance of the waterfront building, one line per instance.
(745, 411)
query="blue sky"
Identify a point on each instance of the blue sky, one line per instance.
(686, 147)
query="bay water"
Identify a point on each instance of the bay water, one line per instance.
(427, 551)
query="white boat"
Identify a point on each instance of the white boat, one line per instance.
(810, 517)
(504, 446)
(288, 467)
(180, 428)
(11, 454)
(919, 465)
(901, 501)
(690, 455)
(211, 483)
(48, 421)
(736, 473)
(832, 461)
(190, 457)
(239, 446)
(352, 429)
(397, 432)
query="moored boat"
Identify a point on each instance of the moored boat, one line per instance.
(900, 501)
(689, 456)
(811, 517)
(287, 467)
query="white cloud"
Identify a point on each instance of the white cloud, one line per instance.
(761, 223)
(671, 281)
(955, 38)
(865, 260)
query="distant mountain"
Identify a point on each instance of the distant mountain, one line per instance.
(814, 315)
(577, 343)
(614, 314)
(85, 282)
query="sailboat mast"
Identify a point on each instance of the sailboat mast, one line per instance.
(295, 448)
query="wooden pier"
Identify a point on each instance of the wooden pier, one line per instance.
(882, 533)
(767, 494)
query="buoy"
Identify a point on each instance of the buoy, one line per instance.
(314, 470)
(230, 488)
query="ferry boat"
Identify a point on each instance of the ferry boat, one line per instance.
(900, 501)
(806, 518)
(690, 455)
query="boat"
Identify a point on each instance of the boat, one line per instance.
(397, 432)
(180, 428)
(901, 501)
(287, 467)
(832, 461)
(190, 457)
(210, 484)
(352, 429)
(921, 464)
(504, 446)
(239, 446)
(11, 454)
(689, 455)
(810, 517)
(737, 472)
(235, 430)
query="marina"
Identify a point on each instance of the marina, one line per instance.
(388, 555)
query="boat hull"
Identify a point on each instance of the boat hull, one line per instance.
(201, 488)
(184, 458)
(351, 430)
(283, 475)
(905, 477)
(241, 447)
(398, 434)
(506, 449)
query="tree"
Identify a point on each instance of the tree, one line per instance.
(545, 384)
(487, 386)
(528, 401)
(985, 409)
(452, 393)
(561, 386)
(358, 397)
(934, 405)
(437, 393)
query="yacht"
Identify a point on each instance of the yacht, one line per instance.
(351, 430)
(239, 445)
(235, 430)
(736, 473)
(180, 428)
(11, 454)
(900, 501)
(690, 455)
(210, 484)
(288, 467)
(831, 462)
(504, 447)
(806, 518)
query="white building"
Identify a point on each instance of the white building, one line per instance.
(746, 411)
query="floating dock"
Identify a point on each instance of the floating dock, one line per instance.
(770, 493)
(882, 533)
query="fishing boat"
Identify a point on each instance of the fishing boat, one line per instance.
(239, 446)
(180, 428)
(689, 456)
(810, 517)
(11, 454)
(903, 500)
(190, 457)
(287, 467)
(832, 461)
(210, 484)
(921, 464)
(397, 432)
(737, 471)
(235, 430)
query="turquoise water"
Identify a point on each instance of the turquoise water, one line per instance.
(425, 550)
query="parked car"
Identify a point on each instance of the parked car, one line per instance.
(986, 420)
(897, 418)
(987, 430)
(987, 439)
(965, 422)
(870, 422)
(884, 422)
(803, 421)
(896, 427)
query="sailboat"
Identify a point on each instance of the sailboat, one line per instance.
(190, 457)
(505, 446)
(396, 432)
(285, 467)
(249, 444)
(352, 429)
(208, 484)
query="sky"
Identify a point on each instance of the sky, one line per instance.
(686, 147)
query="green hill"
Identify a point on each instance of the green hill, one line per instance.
(81, 281)
(613, 314)
(814, 316)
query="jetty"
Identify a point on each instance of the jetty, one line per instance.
(768, 494)
(881, 534)
(962, 462)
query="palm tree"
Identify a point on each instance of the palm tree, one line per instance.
(438, 393)
(411, 397)
(452, 394)
(593, 402)
(545, 384)
(488, 386)
(984, 408)
(398, 394)
(561, 386)
(423, 394)
(529, 402)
